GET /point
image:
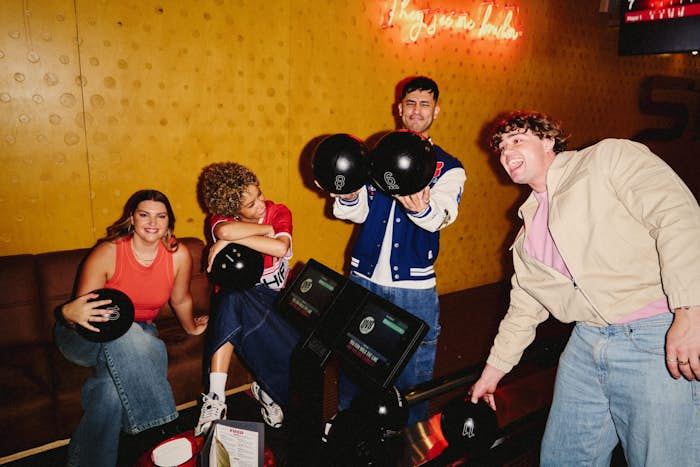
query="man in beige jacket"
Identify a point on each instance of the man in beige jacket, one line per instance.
(610, 241)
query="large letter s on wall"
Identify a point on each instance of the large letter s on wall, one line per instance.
(684, 95)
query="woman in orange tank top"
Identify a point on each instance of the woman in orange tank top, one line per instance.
(128, 390)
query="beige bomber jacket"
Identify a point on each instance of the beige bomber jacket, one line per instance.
(628, 229)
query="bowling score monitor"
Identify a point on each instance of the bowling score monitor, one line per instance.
(379, 340)
(306, 300)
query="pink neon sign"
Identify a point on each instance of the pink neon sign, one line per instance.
(489, 21)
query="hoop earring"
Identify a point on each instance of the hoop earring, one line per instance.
(130, 228)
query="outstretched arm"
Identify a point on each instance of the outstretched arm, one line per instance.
(485, 386)
(436, 207)
(353, 207)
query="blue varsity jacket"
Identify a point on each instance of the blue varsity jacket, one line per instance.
(414, 249)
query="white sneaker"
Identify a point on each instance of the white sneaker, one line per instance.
(212, 409)
(271, 412)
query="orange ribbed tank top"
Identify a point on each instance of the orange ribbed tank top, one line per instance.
(148, 287)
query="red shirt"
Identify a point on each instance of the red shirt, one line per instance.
(279, 217)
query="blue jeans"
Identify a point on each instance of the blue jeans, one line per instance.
(128, 390)
(260, 336)
(612, 383)
(424, 304)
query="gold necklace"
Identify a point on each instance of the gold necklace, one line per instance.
(139, 258)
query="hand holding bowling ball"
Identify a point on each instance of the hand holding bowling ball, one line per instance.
(237, 267)
(402, 163)
(118, 315)
(469, 427)
(339, 164)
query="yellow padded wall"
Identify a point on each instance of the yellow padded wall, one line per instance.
(44, 181)
(127, 94)
(173, 86)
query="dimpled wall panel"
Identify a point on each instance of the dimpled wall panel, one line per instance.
(45, 199)
(99, 98)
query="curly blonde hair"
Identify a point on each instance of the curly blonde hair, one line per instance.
(539, 124)
(222, 185)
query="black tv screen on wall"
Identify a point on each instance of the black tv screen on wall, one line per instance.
(659, 26)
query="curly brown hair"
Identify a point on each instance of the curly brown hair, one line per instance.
(539, 124)
(222, 185)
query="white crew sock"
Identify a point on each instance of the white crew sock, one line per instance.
(217, 384)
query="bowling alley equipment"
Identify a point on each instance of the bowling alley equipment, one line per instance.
(120, 313)
(370, 432)
(523, 400)
(402, 163)
(387, 408)
(374, 340)
(339, 164)
(237, 267)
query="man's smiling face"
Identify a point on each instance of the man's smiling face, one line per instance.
(526, 158)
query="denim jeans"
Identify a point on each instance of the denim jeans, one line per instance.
(262, 339)
(424, 304)
(128, 390)
(612, 383)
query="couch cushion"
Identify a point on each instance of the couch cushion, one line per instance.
(26, 394)
(19, 301)
(27, 417)
(58, 273)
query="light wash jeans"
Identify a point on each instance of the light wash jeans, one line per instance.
(612, 383)
(424, 304)
(128, 390)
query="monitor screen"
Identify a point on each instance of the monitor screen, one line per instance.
(379, 340)
(652, 26)
(310, 295)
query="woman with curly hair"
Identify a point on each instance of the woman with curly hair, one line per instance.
(128, 389)
(244, 320)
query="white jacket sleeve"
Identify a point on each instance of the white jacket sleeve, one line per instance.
(354, 211)
(445, 196)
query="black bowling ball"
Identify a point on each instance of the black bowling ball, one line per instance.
(470, 428)
(339, 164)
(237, 267)
(386, 408)
(352, 439)
(402, 163)
(120, 313)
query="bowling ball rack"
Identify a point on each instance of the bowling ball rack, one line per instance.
(543, 353)
(523, 400)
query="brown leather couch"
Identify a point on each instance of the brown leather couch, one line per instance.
(39, 388)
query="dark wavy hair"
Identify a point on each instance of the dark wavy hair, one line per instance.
(420, 83)
(539, 124)
(121, 228)
(222, 185)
